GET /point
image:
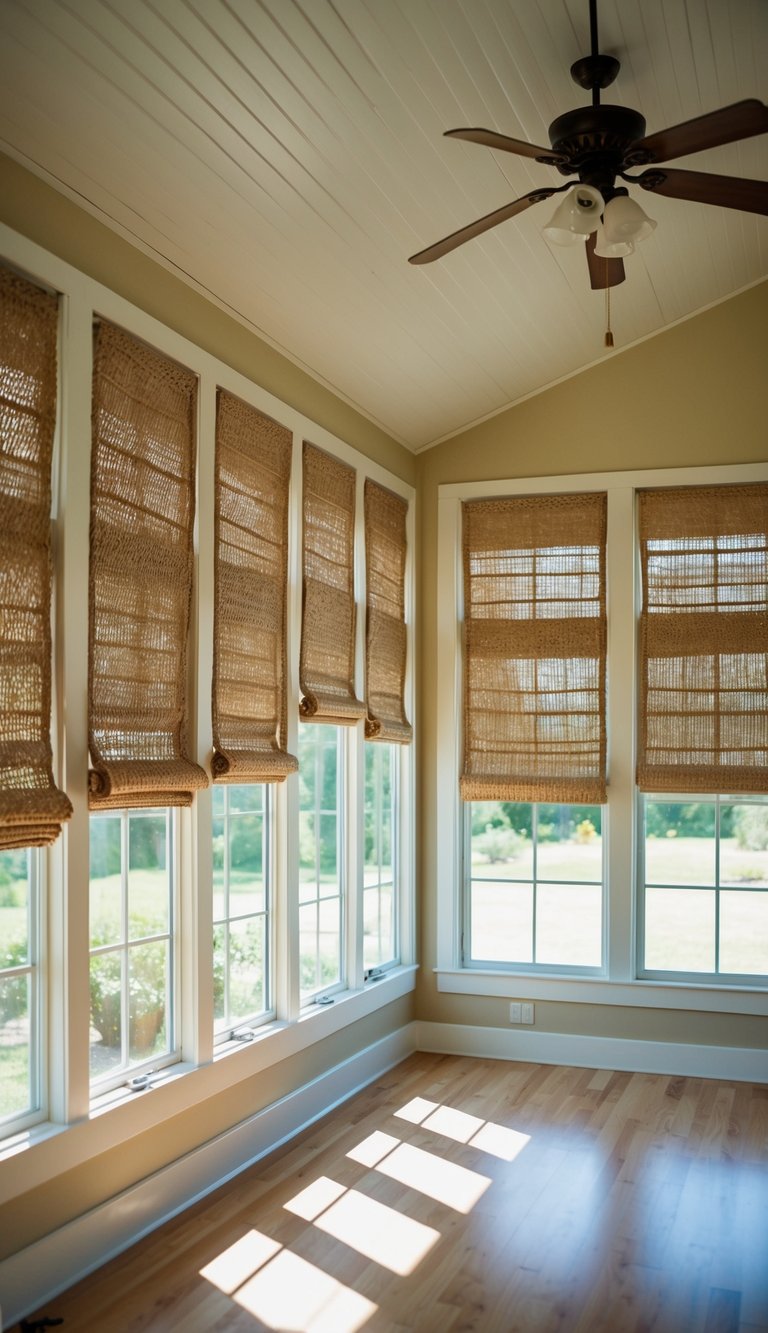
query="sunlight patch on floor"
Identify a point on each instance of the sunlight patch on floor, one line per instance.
(290, 1293)
(230, 1269)
(455, 1186)
(495, 1139)
(391, 1239)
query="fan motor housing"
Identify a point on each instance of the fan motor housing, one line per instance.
(594, 140)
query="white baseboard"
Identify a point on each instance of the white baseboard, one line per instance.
(35, 1276)
(745, 1064)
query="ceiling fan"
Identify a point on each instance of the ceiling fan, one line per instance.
(597, 144)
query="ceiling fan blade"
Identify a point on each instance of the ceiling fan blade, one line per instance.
(603, 272)
(727, 191)
(473, 229)
(491, 139)
(741, 120)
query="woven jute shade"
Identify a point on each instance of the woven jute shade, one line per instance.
(385, 633)
(142, 510)
(32, 809)
(534, 649)
(327, 657)
(253, 469)
(704, 640)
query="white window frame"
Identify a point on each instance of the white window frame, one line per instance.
(65, 1085)
(619, 985)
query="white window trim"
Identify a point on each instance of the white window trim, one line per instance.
(618, 985)
(70, 1107)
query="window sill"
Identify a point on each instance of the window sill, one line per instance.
(36, 1155)
(593, 990)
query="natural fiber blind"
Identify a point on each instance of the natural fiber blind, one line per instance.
(534, 664)
(142, 509)
(327, 658)
(385, 635)
(704, 640)
(32, 809)
(253, 468)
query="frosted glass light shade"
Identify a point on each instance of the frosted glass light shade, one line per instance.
(576, 217)
(606, 249)
(624, 220)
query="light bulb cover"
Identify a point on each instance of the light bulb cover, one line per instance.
(606, 249)
(624, 220)
(576, 217)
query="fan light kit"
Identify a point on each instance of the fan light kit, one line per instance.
(598, 144)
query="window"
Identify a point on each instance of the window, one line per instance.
(20, 998)
(682, 861)
(241, 905)
(178, 577)
(705, 888)
(321, 873)
(132, 930)
(535, 884)
(380, 895)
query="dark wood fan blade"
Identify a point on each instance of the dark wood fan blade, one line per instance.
(491, 139)
(603, 272)
(741, 120)
(703, 188)
(473, 229)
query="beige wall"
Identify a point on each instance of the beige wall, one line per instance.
(695, 395)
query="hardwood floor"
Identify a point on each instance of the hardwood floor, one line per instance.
(474, 1196)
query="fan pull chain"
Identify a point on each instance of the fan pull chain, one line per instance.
(608, 332)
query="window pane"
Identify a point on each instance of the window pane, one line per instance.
(502, 922)
(320, 882)
(15, 1051)
(744, 854)
(14, 908)
(246, 969)
(569, 843)
(378, 925)
(148, 905)
(148, 990)
(105, 890)
(744, 932)
(501, 842)
(680, 930)
(569, 924)
(106, 1013)
(679, 843)
(241, 906)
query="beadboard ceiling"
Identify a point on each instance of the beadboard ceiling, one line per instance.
(286, 157)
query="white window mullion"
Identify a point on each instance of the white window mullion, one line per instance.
(621, 726)
(285, 844)
(353, 791)
(68, 927)
(195, 859)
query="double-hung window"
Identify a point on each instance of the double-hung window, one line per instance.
(656, 885)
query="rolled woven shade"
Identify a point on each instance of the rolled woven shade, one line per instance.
(253, 468)
(534, 649)
(327, 657)
(385, 634)
(32, 809)
(704, 640)
(142, 511)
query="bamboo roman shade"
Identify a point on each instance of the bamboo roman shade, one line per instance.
(385, 634)
(253, 469)
(704, 639)
(534, 649)
(142, 511)
(327, 657)
(32, 809)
